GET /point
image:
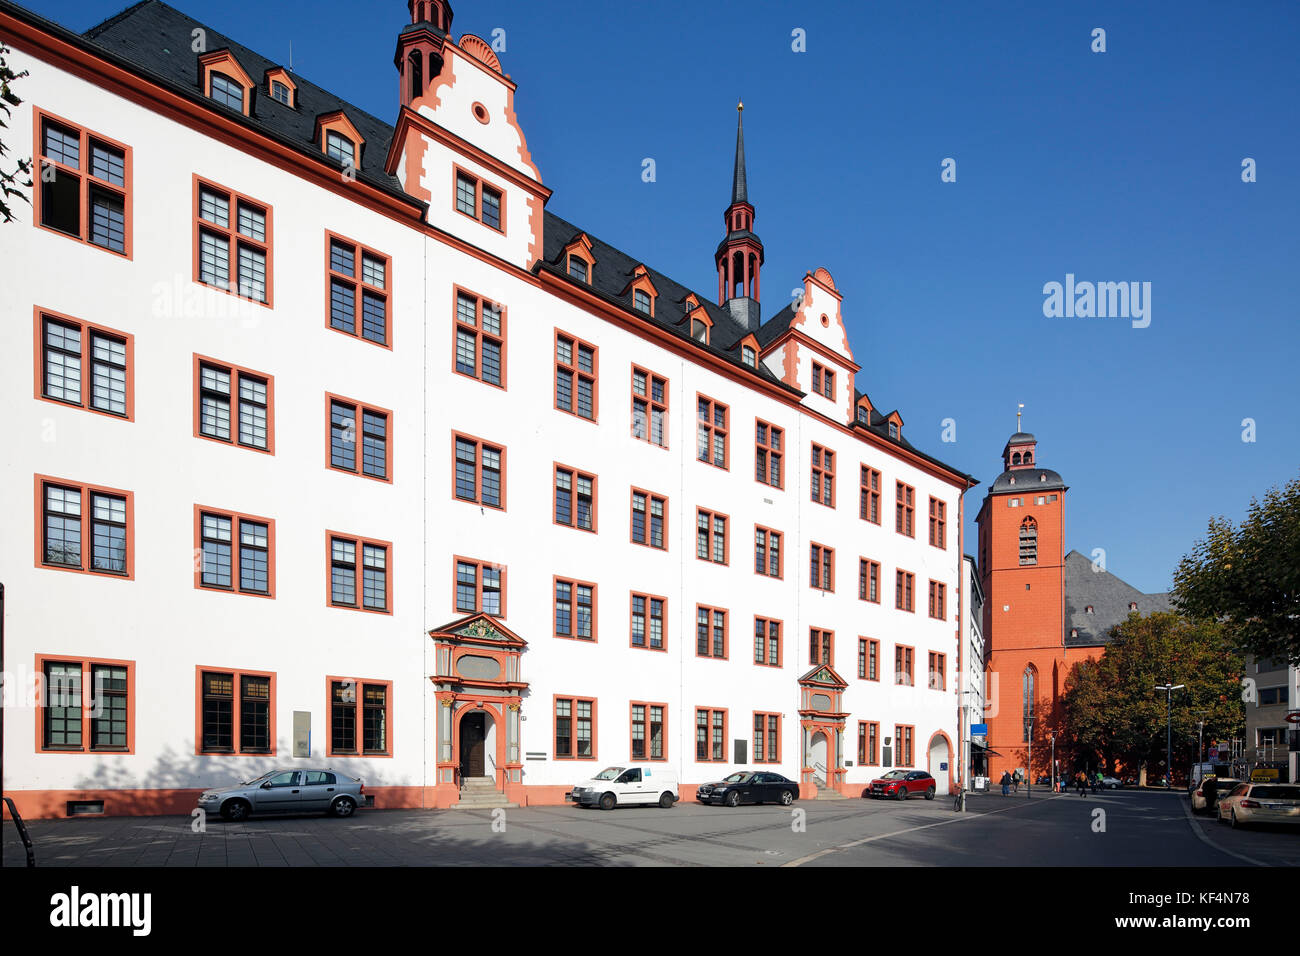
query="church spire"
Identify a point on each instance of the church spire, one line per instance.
(740, 254)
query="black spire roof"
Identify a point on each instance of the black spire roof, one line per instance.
(739, 187)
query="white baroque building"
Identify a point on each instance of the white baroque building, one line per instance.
(337, 448)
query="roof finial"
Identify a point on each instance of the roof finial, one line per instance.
(740, 106)
(1018, 413)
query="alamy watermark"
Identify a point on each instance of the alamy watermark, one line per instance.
(1100, 300)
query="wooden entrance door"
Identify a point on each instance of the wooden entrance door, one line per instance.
(473, 733)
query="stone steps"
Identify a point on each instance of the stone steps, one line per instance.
(481, 793)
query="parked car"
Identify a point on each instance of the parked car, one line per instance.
(1249, 803)
(287, 791)
(901, 784)
(629, 785)
(1112, 783)
(1205, 796)
(749, 786)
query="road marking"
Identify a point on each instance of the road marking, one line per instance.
(885, 836)
(1196, 828)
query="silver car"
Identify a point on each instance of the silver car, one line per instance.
(287, 791)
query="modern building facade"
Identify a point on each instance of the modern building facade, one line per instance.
(342, 449)
(1272, 742)
(973, 685)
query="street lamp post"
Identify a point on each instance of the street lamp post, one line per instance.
(1052, 739)
(1169, 689)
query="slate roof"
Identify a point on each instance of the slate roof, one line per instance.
(1027, 480)
(155, 41)
(1109, 597)
(1020, 438)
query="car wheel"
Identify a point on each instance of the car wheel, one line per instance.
(607, 801)
(787, 798)
(1219, 815)
(343, 807)
(666, 800)
(235, 810)
(901, 794)
(1235, 824)
(733, 799)
(929, 794)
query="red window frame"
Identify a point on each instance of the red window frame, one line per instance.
(650, 498)
(359, 286)
(358, 408)
(823, 380)
(359, 543)
(822, 485)
(85, 332)
(647, 401)
(821, 646)
(233, 239)
(573, 727)
(869, 503)
(868, 577)
(574, 475)
(478, 565)
(649, 600)
(764, 539)
(903, 750)
(479, 334)
(86, 531)
(479, 445)
(821, 567)
(715, 738)
(767, 739)
(904, 662)
(573, 371)
(868, 659)
(359, 684)
(87, 667)
(237, 676)
(237, 373)
(709, 433)
(84, 179)
(868, 743)
(938, 671)
(769, 454)
(904, 590)
(767, 635)
(573, 584)
(647, 723)
(710, 532)
(711, 625)
(479, 185)
(938, 599)
(236, 519)
(905, 509)
(938, 523)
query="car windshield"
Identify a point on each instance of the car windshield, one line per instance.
(895, 775)
(737, 778)
(609, 773)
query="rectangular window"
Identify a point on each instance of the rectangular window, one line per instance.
(938, 523)
(575, 376)
(234, 405)
(938, 599)
(85, 365)
(821, 646)
(359, 279)
(711, 434)
(903, 587)
(868, 580)
(84, 528)
(904, 510)
(649, 519)
(234, 552)
(767, 552)
(823, 476)
(868, 743)
(868, 659)
(480, 587)
(480, 471)
(575, 609)
(83, 185)
(869, 503)
(480, 348)
(711, 536)
(86, 705)
(823, 381)
(480, 201)
(903, 745)
(236, 712)
(575, 499)
(649, 731)
(233, 242)
(767, 738)
(767, 642)
(768, 443)
(710, 632)
(938, 671)
(344, 553)
(352, 423)
(821, 567)
(359, 705)
(647, 628)
(575, 728)
(903, 666)
(710, 734)
(649, 407)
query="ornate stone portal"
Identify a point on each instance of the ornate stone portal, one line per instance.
(821, 713)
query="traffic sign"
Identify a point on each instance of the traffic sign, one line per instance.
(1293, 717)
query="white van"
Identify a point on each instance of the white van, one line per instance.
(637, 783)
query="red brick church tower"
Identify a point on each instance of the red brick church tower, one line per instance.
(1022, 570)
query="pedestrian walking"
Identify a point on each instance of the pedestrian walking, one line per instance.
(1015, 782)
(1078, 782)
(1006, 783)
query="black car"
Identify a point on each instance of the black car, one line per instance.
(750, 787)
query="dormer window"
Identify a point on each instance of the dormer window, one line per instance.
(641, 301)
(1132, 605)
(578, 269)
(280, 93)
(226, 91)
(862, 415)
(893, 430)
(748, 356)
(281, 87)
(339, 148)
(700, 330)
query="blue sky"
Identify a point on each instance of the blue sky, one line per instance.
(1115, 166)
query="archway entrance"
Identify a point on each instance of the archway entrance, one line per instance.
(477, 745)
(940, 763)
(818, 753)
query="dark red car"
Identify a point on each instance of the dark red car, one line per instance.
(901, 784)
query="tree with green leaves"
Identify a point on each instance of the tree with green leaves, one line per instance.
(13, 182)
(1112, 716)
(1247, 576)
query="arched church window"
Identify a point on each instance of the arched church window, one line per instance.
(1027, 681)
(1029, 541)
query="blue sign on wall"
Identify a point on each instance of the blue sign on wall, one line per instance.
(942, 767)
(979, 730)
